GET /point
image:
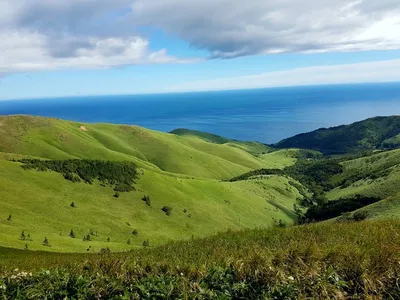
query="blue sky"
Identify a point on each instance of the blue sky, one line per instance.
(86, 47)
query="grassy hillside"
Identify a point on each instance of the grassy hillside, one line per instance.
(58, 139)
(181, 172)
(355, 260)
(374, 133)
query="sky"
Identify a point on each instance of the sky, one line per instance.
(55, 48)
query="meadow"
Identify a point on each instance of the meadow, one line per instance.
(350, 260)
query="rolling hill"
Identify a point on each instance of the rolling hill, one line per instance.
(182, 172)
(370, 134)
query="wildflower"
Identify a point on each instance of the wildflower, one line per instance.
(291, 278)
(47, 272)
(3, 287)
(13, 277)
(16, 270)
(30, 274)
(181, 274)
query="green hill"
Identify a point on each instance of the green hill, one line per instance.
(181, 172)
(370, 134)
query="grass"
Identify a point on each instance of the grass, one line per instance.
(179, 171)
(39, 203)
(58, 139)
(355, 260)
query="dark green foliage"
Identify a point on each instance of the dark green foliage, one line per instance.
(360, 215)
(72, 234)
(46, 242)
(146, 243)
(332, 209)
(108, 240)
(116, 195)
(123, 187)
(128, 242)
(22, 237)
(72, 204)
(370, 134)
(87, 238)
(119, 174)
(147, 200)
(167, 210)
(257, 173)
(9, 218)
(135, 232)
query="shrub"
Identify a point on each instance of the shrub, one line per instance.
(147, 200)
(46, 242)
(360, 215)
(72, 204)
(116, 195)
(9, 218)
(23, 237)
(108, 240)
(135, 232)
(87, 238)
(128, 242)
(26, 247)
(72, 234)
(185, 211)
(167, 210)
(146, 243)
(123, 187)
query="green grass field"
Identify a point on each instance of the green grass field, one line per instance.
(180, 171)
(354, 260)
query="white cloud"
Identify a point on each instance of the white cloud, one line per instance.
(52, 34)
(230, 28)
(382, 71)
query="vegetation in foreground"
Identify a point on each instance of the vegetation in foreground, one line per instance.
(352, 260)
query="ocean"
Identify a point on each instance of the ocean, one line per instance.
(264, 115)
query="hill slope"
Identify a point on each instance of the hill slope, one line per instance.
(181, 172)
(370, 134)
(58, 139)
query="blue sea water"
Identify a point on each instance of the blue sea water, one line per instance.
(265, 115)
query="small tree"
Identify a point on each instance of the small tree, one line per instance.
(128, 242)
(146, 243)
(167, 210)
(29, 237)
(46, 242)
(26, 247)
(147, 200)
(23, 237)
(72, 204)
(87, 238)
(9, 217)
(108, 240)
(72, 234)
(135, 232)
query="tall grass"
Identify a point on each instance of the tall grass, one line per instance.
(353, 260)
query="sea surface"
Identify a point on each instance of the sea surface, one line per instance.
(265, 115)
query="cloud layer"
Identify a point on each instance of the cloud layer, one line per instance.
(53, 34)
(381, 71)
(229, 28)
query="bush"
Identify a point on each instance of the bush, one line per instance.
(123, 187)
(147, 200)
(72, 234)
(167, 210)
(46, 242)
(360, 215)
(22, 237)
(146, 243)
(135, 232)
(72, 204)
(9, 218)
(87, 238)
(116, 195)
